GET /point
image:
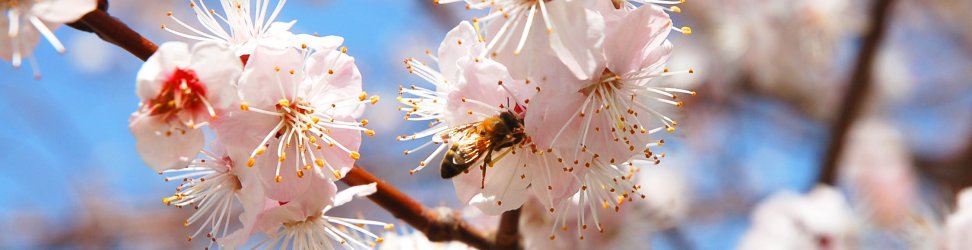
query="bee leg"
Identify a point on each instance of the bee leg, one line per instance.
(486, 163)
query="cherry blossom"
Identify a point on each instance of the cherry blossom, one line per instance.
(821, 219)
(620, 109)
(181, 90)
(210, 185)
(310, 227)
(598, 206)
(614, 10)
(242, 25)
(524, 32)
(469, 90)
(615, 230)
(300, 106)
(23, 23)
(599, 125)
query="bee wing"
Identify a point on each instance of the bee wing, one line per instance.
(469, 144)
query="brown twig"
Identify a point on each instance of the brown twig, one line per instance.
(857, 90)
(508, 234)
(111, 30)
(437, 225)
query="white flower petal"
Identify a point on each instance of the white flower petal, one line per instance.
(460, 42)
(63, 11)
(218, 69)
(355, 191)
(336, 80)
(165, 145)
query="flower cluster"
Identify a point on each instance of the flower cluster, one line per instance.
(548, 99)
(252, 115)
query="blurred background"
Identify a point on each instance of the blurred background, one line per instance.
(771, 77)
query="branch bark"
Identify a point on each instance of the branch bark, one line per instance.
(437, 225)
(508, 234)
(114, 31)
(858, 89)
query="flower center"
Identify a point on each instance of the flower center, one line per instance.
(182, 91)
(604, 86)
(300, 131)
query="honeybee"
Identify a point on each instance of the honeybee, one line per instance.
(478, 140)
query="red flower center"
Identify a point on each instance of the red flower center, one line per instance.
(182, 91)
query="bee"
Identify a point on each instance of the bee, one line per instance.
(478, 140)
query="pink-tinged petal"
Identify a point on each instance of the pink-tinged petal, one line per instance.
(241, 131)
(165, 145)
(218, 69)
(657, 58)
(549, 111)
(458, 43)
(266, 77)
(159, 67)
(350, 193)
(535, 56)
(480, 81)
(254, 203)
(554, 121)
(311, 202)
(333, 78)
(487, 75)
(638, 40)
(610, 14)
(289, 186)
(577, 37)
(63, 11)
(551, 185)
(335, 157)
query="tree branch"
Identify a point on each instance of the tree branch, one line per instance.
(858, 89)
(113, 31)
(508, 234)
(437, 225)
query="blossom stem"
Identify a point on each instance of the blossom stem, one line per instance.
(114, 31)
(508, 235)
(858, 90)
(437, 225)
